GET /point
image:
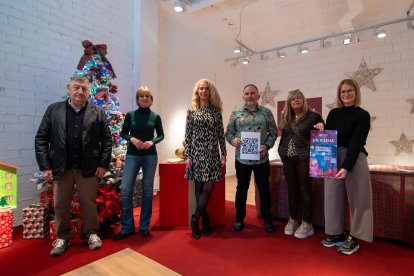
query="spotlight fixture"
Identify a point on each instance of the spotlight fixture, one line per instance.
(178, 6)
(325, 43)
(246, 60)
(280, 54)
(303, 50)
(236, 50)
(347, 39)
(381, 33)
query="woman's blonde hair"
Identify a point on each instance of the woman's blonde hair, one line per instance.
(142, 90)
(288, 115)
(355, 85)
(215, 100)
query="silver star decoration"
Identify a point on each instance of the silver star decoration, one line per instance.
(268, 96)
(403, 145)
(411, 101)
(331, 105)
(364, 76)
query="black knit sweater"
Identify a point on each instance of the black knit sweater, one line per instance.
(353, 124)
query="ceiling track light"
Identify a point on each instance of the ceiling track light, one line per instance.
(351, 36)
(236, 50)
(179, 6)
(303, 50)
(246, 60)
(381, 33)
(347, 39)
(280, 54)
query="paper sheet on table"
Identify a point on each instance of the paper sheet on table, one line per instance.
(250, 146)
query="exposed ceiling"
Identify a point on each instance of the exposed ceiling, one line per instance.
(266, 24)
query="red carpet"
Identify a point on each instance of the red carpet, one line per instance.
(250, 252)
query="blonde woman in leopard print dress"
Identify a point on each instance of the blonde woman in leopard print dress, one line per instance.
(205, 149)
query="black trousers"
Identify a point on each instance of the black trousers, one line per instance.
(299, 188)
(261, 176)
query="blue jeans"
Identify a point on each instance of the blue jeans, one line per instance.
(132, 165)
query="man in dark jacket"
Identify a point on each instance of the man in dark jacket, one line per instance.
(73, 146)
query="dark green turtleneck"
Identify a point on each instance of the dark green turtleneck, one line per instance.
(141, 123)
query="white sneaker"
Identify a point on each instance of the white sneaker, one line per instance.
(291, 227)
(305, 230)
(94, 242)
(59, 247)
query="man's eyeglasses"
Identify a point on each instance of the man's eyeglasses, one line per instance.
(349, 91)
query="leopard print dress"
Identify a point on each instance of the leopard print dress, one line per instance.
(204, 134)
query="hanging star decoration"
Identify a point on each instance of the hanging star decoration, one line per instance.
(268, 96)
(331, 105)
(411, 101)
(403, 145)
(364, 76)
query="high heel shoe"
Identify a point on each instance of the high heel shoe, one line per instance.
(195, 229)
(206, 228)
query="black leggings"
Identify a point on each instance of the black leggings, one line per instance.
(202, 194)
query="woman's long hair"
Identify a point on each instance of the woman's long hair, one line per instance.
(288, 115)
(215, 100)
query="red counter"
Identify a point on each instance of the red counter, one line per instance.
(177, 199)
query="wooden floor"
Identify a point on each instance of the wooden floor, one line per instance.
(231, 183)
(124, 262)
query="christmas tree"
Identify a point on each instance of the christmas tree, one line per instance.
(95, 66)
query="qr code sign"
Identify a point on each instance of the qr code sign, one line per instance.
(250, 146)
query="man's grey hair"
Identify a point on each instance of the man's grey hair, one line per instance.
(79, 77)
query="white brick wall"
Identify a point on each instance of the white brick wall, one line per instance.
(185, 56)
(40, 47)
(319, 72)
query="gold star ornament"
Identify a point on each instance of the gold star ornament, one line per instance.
(403, 145)
(364, 76)
(268, 96)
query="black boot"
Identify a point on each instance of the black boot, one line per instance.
(206, 225)
(194, 228)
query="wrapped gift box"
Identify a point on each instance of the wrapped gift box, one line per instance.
(46, 196)
(6, 227)
(75, 209)
(36, 221)
(76, 228)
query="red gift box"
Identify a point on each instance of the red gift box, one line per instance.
(75, 209)
(46, 197)
(75, 232)
(36, 221)
(6, 227)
